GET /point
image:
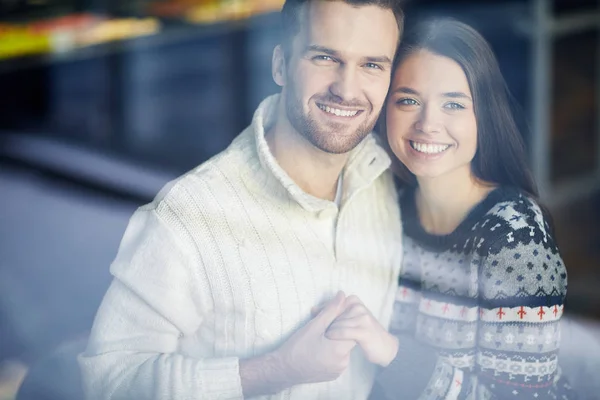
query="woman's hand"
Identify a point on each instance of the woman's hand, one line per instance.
(357, 323)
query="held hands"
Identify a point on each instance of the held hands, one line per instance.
(357, 323)
(320, 350)
(308, 356)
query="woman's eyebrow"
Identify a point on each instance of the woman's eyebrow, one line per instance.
(405, 89)
(456, 95)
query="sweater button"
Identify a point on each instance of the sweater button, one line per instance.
(326, 213)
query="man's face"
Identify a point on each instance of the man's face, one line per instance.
(338, 74)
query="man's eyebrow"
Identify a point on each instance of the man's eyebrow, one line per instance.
(379, 59)
(321, 49)
(457, 95)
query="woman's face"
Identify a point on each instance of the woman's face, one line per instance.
(430, 117)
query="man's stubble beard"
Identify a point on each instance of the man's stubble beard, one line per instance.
(322, 138)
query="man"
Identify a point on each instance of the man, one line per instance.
(215, 280)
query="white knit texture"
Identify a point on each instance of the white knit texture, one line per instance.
(226, 264)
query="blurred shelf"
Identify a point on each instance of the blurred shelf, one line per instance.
(169, 32)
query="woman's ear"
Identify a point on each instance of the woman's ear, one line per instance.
(278, 66)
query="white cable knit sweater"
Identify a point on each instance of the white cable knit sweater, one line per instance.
(227, 262)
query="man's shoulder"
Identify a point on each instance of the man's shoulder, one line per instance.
(212, 181)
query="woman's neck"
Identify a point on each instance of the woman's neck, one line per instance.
(444, 203)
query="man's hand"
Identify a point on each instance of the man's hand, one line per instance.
(308, 356)
(357, 324)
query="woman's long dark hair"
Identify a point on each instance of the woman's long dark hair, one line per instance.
(500, 157)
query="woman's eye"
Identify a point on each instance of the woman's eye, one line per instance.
(454, 106)
(407, 102)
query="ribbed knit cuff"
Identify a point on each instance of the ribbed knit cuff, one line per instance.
(221, 379)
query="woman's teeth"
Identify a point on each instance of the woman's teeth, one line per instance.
(429, 148)
(338, 112)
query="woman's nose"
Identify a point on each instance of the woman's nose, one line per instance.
(428, 121)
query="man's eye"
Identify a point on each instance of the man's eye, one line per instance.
(373, 66)
(322, 58)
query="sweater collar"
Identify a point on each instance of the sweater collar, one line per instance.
(412, 224)
(365, 164)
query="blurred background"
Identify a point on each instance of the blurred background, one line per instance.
(104, 101)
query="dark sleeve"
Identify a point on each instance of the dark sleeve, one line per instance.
(408, 375)
(417, 371)
(523, 284)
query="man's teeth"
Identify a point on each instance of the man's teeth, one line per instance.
(429, 148)
(338, 112)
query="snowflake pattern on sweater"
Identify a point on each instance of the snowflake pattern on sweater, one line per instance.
(488, 298)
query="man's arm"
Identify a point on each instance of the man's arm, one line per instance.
(133, 350)
(308, 356)
(133, 354)
(263, 375)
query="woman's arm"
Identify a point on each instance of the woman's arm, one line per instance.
(523, 284)
(417, 371)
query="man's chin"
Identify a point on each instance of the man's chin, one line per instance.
(342, 146)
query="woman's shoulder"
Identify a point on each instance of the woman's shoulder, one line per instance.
(514, 219)
(522, 261)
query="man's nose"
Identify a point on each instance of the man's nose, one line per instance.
(345, 85)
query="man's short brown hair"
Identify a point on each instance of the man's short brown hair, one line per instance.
(291, 17)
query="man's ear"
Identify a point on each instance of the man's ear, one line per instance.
(278, 66)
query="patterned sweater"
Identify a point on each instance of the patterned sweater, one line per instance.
(477, 311)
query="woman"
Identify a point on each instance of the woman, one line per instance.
(483, 284)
